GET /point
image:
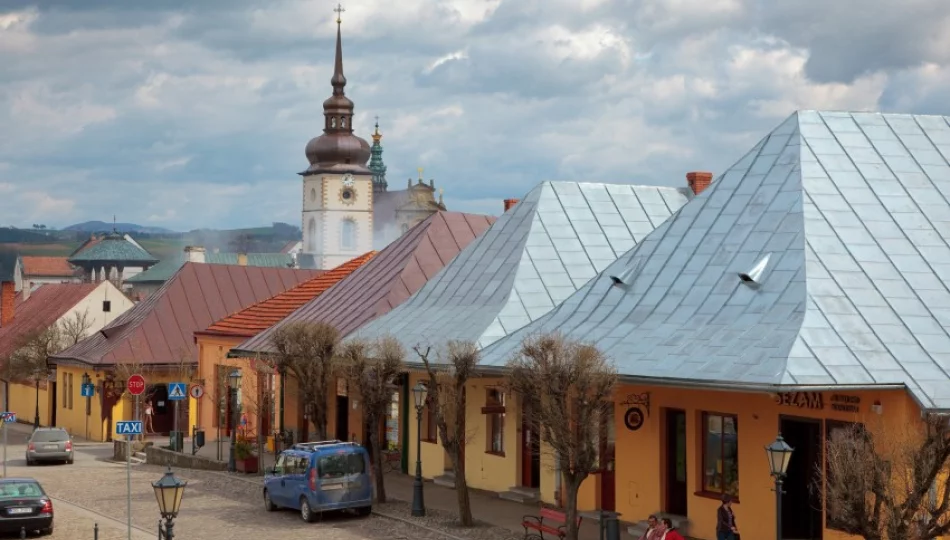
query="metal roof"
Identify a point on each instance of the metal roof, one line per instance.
(559, 236)
(165, 269)
(46, 305)
(160, 329)
(387, 280)
(114, 248)
(851, 210)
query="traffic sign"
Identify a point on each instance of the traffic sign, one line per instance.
(8, 416)
(177, 391)
(136, 384)
(196, 391)
(88, 390)
(129, 427)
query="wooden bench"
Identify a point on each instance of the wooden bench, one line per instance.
(535, 526)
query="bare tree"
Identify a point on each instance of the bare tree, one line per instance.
(568, 387)
(373, 370)
(446, 396)
(890, 483)
(308, 352)
(75, 328)
(257, 399)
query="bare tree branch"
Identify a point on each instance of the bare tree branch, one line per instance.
(566, 390)
(308, 351)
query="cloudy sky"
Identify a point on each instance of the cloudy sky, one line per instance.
(195, 113)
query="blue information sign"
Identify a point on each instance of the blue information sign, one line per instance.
(88, 390)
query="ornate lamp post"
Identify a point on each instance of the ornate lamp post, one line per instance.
(168, 492)
(234, 380)
(419, 392)
(779, 454)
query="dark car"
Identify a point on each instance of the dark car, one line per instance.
(24, 505)
(49, 444)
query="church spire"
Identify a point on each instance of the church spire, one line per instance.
(338, 80)
(376, 164)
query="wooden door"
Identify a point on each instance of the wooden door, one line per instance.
(675, 443)
(608, 474)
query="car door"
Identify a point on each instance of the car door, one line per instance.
(276, 483)
(297, 480)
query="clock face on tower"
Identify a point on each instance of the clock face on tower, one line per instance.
(348, 180)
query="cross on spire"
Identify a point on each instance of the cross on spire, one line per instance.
(339, 12)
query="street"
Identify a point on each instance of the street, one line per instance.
(93, 490)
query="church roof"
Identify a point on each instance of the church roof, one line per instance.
(262, 315)
(113, 248)
(165, 269)
(386, 281)
(535, 256)
(849, 213)
(160, 329)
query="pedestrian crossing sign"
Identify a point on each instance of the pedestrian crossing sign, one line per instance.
(177, 391)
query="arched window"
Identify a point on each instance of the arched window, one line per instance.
(342, 121)
(333, 122)
(312, 236)
(313, 195)
(348, 234)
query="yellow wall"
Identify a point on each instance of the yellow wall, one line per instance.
(640, 473)
(22, 401)
(74, 419)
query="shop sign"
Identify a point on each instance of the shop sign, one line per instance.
(843, 403)
(636, 405)
(802, 400)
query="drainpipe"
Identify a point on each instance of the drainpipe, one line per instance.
(557, 480)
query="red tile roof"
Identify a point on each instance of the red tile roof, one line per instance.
(44, 307)
(160, 329)
(47, 267)
(255, 319)
(386, 281)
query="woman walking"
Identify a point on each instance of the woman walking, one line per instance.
(148, 418)
(726, 528)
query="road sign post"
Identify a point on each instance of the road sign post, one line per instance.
(4, 419)
(177, 392)
(130, 429)
(136, 387)
(88, 390)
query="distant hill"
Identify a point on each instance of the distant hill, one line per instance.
(102, 226)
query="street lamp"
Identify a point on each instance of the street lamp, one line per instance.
(168, 492)
(779, 454)
(234, 379)
(419, 392)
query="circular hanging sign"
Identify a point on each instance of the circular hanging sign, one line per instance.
(633, 418)
(197, 391)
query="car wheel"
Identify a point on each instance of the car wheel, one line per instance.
(268, 504)
(70, 461)
(306, 513)
(364, 510)
(46, 532)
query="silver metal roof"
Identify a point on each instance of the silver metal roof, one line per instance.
(852, 212)
(559, 236)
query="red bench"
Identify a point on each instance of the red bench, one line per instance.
(535, 526)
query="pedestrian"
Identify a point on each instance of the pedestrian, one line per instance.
(671, 533)
(651, 527)
(726, 528)
(148, 417)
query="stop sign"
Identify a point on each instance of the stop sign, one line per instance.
(136, 384)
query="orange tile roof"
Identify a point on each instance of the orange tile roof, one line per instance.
(262, 315)
(47, 266)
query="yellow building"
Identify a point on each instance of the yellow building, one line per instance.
(73, 307)
(156, 339)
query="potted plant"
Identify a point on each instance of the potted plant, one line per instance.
(244, 458)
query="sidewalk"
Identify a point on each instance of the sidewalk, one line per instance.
(486, 506)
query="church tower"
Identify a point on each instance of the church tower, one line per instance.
(337, 187)
(376, 164)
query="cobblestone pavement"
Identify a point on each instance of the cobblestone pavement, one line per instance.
(215, 506)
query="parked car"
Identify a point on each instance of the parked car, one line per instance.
(24, 505)
(49, 444)
(317, 477)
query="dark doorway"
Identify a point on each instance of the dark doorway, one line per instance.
(608, 475)
(342, 418)
(801, 506)
(52, 405)
(675, 454)
(163, 417)
(530, 453)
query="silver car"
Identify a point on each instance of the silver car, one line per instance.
(49, 444)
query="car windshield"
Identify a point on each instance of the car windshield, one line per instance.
(50, 435)
(14, 490)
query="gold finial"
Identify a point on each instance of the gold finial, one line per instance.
(339, 12)
(420, 173)
(376, 134)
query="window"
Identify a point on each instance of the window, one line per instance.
(106, 306)
(343, 121)
(69, 390)
(430, 430)
(720, 454)
(313, 195)
(340, 465)
(348, 234)
(333, 122)
(281, 464)
(65, 390)
(312, 236)
(221, 395)
(494, 411)
(835, 429)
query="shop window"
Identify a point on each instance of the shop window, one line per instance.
(494, 411)
(720, 454)
(835, 429)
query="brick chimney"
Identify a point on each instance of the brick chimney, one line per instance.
(242, 259)
(509, 203)
(698, 181)
(7, 296)
(195, 254)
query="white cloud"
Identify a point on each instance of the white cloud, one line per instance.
(457, 55)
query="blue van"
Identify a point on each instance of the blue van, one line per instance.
(317, 477)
